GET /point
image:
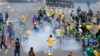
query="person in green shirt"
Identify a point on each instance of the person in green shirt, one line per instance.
(1, 26)
(90, 51)
(74, 31)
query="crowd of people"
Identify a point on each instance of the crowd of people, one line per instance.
(82, 26)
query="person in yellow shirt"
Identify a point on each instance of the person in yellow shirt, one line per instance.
(26, 34)
(63, 17)
(49, 54)
(58, 34)
(69, 29)
(7, 22)
(50, 44)
(52, 12)
(22, 20)
(96, 53)
(88, 27)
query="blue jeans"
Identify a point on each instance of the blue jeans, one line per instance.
(98, 21)
(50, 49)
(17, 51)
(59, 38)
(90, 19)
(84, 51)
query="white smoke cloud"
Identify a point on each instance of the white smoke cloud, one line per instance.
(39, 41)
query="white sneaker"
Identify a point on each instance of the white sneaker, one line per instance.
(6, 51)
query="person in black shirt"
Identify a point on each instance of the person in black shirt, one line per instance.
(6, 16)
(17, 47)
(98, 33)
(3, 41)
(1, 18)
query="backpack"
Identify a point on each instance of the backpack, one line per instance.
(17, 45)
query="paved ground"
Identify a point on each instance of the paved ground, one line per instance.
(17, 9)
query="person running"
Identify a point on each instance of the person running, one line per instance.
(50, 44)
(17, 47)
(31, 52)
(58, 34)
(2, 41)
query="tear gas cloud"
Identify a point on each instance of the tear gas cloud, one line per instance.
(39, 41)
